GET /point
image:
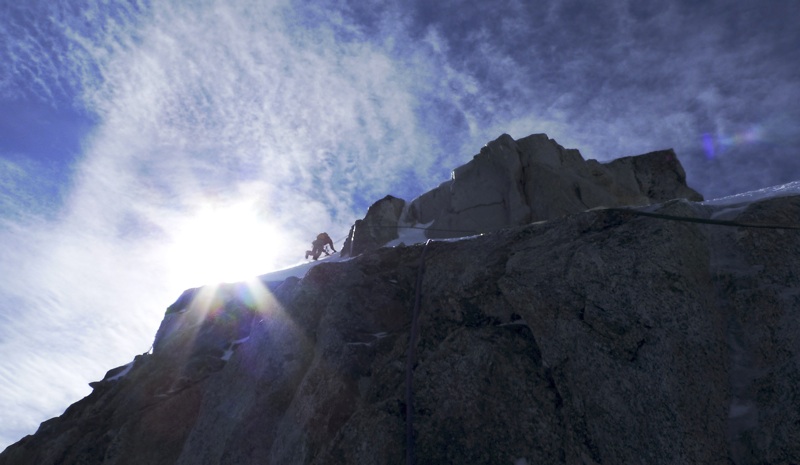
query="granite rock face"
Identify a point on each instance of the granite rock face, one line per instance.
(512, 183)
(377, 228)
(595, 337)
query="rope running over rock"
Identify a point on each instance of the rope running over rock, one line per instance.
(412, 341)
(687, 219)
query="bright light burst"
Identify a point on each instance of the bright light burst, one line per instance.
(222, 243)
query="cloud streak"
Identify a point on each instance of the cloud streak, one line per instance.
(306, 113)
(199, 106)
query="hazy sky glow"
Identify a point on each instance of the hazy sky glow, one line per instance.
(151, 146)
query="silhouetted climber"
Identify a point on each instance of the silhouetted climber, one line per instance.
(318, 246)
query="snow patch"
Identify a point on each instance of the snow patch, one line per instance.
(783, 190)
(457, 239)
(410, 234)
(231, 345)
(239, 341)
(122, 373)
(407, 235)
(300, 270)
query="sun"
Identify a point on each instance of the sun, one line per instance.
(222, 244)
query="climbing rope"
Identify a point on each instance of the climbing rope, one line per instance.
(412, 341)
(414, 333)
(435, 229)
(690, 219)
(687, 219)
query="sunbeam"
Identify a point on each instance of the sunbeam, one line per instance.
(222, 243)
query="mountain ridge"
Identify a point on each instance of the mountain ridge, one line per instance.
(592, 337)
(515, 182)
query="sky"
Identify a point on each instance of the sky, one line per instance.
(149, 146)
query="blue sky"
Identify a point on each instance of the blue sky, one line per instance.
(151, 146)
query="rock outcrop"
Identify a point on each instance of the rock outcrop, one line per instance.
(595, 337)
(512, 183)
(377, 228)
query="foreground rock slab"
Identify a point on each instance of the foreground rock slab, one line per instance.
(597, 337)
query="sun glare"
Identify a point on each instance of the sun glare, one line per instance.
(222, 244)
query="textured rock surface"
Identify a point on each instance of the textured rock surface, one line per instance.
(512, 183)
(377, 228)
(598, 337)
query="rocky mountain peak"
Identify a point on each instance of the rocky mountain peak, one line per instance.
(600, 336)
(511, 183)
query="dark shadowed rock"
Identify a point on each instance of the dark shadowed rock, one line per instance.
(596, 337)
(377, 228)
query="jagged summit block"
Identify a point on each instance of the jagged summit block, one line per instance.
(512, 183)
(377, 228)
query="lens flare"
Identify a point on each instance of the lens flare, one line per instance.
(211, 324)
(708, 146)
(717, 144)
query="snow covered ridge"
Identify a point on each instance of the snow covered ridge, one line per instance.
(783, 190)
(481, 190)
(115, 374)
(174, 321)
(411, 233)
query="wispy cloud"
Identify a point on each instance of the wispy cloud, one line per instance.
(198, 105)
(305, 113)
(627, 77)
